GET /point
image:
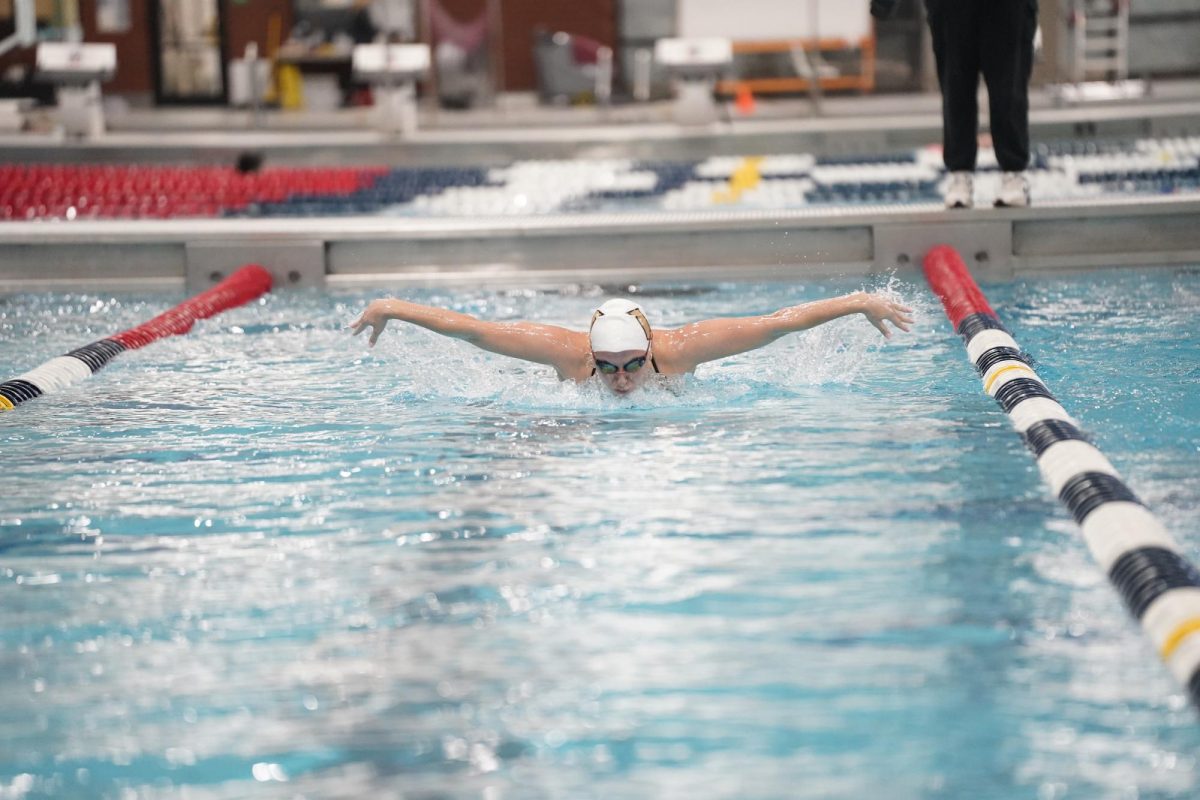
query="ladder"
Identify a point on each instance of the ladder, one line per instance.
(1100, 48)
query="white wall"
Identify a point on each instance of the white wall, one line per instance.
(750, 20)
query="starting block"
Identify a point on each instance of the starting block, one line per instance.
(77, 69)
(393, 71)
(694, 66)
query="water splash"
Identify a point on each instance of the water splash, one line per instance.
(429, 367)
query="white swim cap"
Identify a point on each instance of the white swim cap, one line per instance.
(615, 329)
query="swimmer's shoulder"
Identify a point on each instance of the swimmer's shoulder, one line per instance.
(668, 355)
(576, 364)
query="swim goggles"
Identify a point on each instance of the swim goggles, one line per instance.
(609, 368)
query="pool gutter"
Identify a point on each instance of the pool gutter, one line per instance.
(797, 244)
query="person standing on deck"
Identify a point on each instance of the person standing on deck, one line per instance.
(993, 38)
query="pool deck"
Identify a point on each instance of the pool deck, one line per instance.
(790, 244)
(854, 125)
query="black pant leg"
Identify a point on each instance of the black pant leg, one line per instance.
(1007, 61)
(953, 25)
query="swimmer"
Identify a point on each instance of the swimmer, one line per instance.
(620, 346)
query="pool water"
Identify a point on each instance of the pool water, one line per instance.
(261, 560)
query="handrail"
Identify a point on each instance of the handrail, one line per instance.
(25, 34)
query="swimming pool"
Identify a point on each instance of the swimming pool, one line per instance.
(263, 560)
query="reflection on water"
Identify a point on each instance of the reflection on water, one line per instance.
(263, 559)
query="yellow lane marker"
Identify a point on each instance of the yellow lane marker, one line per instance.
(743, 179)
(1184, 630)
(987, 387)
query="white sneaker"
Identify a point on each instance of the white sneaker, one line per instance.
(960, 190)
(1014, 191)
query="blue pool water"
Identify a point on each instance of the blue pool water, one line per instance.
(263, 561)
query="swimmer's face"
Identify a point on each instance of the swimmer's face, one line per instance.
(624, 371)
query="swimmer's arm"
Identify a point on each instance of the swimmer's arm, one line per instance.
(543, 344)
(718, 338)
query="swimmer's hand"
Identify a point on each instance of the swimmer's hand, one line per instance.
(878, 309)
(375, 317)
